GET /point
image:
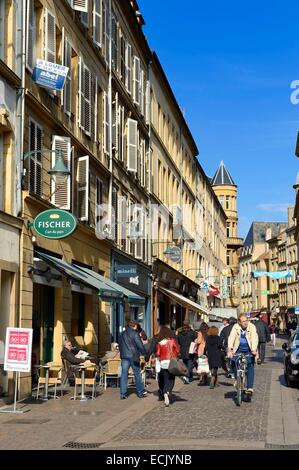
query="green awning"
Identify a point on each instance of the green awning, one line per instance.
(77, 274)
(108, 290)
(131, 296)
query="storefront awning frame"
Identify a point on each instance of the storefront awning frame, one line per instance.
(184, 301)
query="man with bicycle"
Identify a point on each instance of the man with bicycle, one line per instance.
(244, 339)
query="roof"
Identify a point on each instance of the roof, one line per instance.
(222, 176)
(257, 231)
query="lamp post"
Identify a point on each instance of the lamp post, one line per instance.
(198, 275)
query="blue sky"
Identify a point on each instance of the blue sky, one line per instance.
(231, 65)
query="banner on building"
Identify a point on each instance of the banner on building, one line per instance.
(274, 274)
(18, 349)
(49, 75)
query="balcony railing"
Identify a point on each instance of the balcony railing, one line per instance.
(235, 241)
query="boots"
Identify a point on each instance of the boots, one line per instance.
(213, 382)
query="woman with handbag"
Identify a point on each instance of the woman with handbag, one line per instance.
(213, 350)
(167, 349)
(203, 369)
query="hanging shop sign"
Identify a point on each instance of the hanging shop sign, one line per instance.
(18, 347)
(49, 75)
(55, 224)
(174, 254)
(126, 270)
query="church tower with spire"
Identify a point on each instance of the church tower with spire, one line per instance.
(226, 191)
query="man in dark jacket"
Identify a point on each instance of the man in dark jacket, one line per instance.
(131, 348)
(225, 332)
(185, 337)
(264, 336)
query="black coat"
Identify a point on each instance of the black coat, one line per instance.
(213, 350)
(262, 331)
(225, 332)
(70, 356)
(185, 338)
(130, 345)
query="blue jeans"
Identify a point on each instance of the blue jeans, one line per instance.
(250, 369)
(189, 363)
(125, 366)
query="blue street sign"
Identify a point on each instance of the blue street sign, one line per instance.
(49, 75)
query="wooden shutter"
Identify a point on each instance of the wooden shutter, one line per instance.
(114, 43)
(114, 224)
(148, 103)
(95, 113)
(61, 192)
(87, 101)
(80, 5)
(123, 67)
(98, 201)
(142, 91)
(83, 188)
(106, 124)
(142, 162)
(129, 68)
(97, 22)
(136, 81)
(31, 35)
(106, 34)
(123, 222)
(49, 37)
(115, 127)
(81, 100)
(132, 146)
(35, 160)
(67, 62)
(121, 133)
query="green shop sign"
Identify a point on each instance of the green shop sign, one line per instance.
(55, 224)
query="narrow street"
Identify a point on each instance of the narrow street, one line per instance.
(199, 418)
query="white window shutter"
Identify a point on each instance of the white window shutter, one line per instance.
(95, 130)
(142, 162)
(132, 146)
(106, 34)
(121, 132)
(115, 126)
(148, 103)
(80, 5)
(31, 35)
(98, 201)
(142, 91)
(81, 94)
(49, 37)
(97, 22)
(123, 66)
(136, 81)
(61, 192)
(83, 188)
(129, 68)
(35, 160)
(114, 42)
(87, 101)
(106, 124)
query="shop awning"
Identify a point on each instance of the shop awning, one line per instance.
(107, 289)
(180, 299)
(131, 296)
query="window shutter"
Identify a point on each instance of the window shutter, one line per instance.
(123, 60)
(139, 222)
(35, 160)
(80, 5)
(132, 146)
(129, 68)
(115, 127)
(106, 34)
(31, 34)
(49, 37)
(142, 162)
(99, 201)
(97, 22)
(87, 101)
(81, 94)
(142, 91)
(121, 133)
(83, 188)
(67, 62)
(114, 43)
(148, 103)
(106, 124)
(95, 114)
(115, 215)
(123, 222)
(61, 192)
(136, 80)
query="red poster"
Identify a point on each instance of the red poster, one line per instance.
(13, 354)
(23, 339)
(22, 354)
(13, 337)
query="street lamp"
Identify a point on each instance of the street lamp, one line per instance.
(198, 275)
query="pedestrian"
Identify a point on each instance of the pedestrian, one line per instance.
(224, 342)
(167, 348)
(201, 341)
(222, 335)
(185, 337)
(213, 351)
(225, 322)
(272, 329)
(264, 337)
(131, 348)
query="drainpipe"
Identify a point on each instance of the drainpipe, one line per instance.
(148, 311)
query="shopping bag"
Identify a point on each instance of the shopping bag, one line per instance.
(193, 348)
(177, 367)
(202, 365)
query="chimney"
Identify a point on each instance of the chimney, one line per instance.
(268, 233)
(290, 216)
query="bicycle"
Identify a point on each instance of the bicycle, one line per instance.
(241, 367)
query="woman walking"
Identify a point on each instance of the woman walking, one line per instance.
(213, 349)
(167, 348)
(201, 341)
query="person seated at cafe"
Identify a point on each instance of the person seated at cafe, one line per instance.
(113, 353)
(70, 354)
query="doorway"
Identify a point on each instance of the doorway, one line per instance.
(43, 322)
(6, 283)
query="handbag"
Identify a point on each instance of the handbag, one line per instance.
(202, 365)
(193, 348)
(177, 367)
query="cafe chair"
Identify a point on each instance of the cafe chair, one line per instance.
(111, 371)
(89, 380)
(55, 378)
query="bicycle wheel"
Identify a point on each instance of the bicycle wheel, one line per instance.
(239, 390)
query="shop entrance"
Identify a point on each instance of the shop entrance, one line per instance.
(78, 315)
(6, 282)
(43, 322)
